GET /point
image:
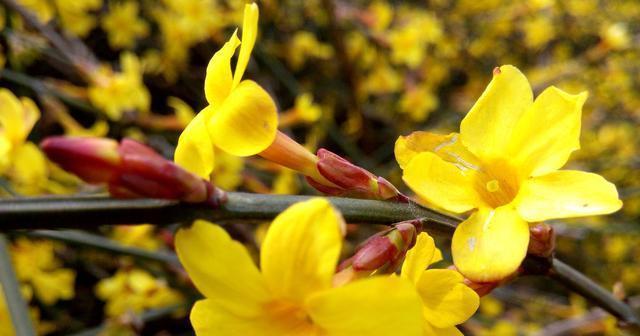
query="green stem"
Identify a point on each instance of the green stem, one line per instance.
(91, 212)
(18, 308)
(582, 285)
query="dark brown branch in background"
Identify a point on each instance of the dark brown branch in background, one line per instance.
(73, 49)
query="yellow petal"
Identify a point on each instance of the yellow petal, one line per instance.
(11, 117)
(217, 82)
(373, 306)
(548, 132)
(29, 168)
(447, 147)
(249, 34)
(441, 183)
(492, 119)
(490, 244)
(418, 258)
(301, 249)
(430, 330)
(55, 285)
(221, 268)
(30, 115)
(247, 122)
(195, 148)
(447, 301)
(208, 317)
(567, 193)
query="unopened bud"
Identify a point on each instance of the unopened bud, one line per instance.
(130, 169)
(482, 288)
(543, 240)
(351, 180)
(95, 160)
(384, 252)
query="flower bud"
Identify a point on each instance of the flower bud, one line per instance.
(351, 180)
(543, 240)
(381, 253)
(130, 169)
(95, 160)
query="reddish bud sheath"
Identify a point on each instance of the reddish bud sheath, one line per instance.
(350, 180)
(130, 169)
(95, 160)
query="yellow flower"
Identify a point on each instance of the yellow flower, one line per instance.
(304, 45)
(409, 42)
(141, 236)
(41, 8)
(228, 168)
(21, 161)
(241, 119)
(17, 118)
(446, 300)
(303, 111)
(123, 25)
(75, 16)
(418, 103)
(616, 36)
(292, 294)
(504, 166)
(36, 265)
(135, 290)
(116, 92)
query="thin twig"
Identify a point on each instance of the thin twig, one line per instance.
(79, 238)
(18, 308)
(73, 49)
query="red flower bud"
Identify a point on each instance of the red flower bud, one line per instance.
(385, 251)
(350, 180)
(378, 252)
(95, 160)
(130, 169)
(543, 240)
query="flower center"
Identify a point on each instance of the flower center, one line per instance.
(497, 183)
(289, 318)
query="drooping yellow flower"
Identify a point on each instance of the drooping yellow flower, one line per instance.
(135, 290)
(292, 294)
(241, 119)
(36, 265)
(117, 92)
(446, 300)
(123, 25)
(504, 166)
